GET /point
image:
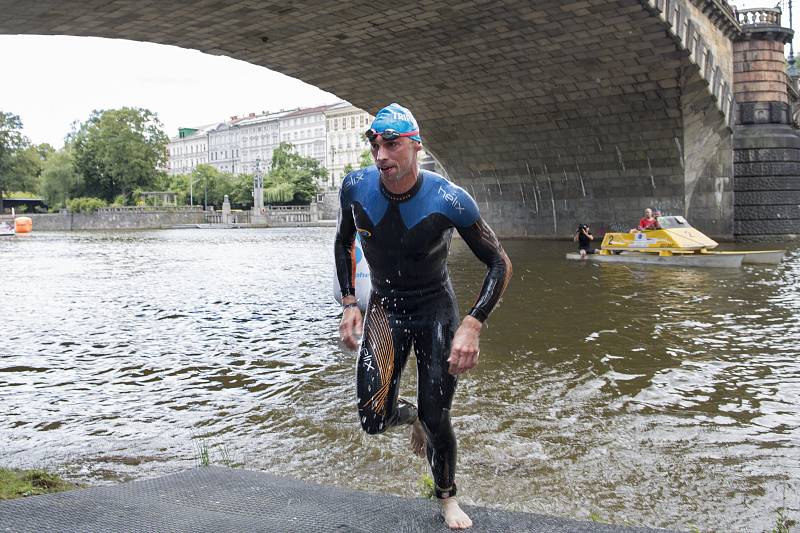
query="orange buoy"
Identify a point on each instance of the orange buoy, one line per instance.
(23, 224)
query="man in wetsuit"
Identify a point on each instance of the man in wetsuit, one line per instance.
(405, 219)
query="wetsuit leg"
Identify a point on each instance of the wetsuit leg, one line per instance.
(383, 354)
(436, 387)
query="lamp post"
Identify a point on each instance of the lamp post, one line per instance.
(191, 192)
(792, 68)
(333, 160)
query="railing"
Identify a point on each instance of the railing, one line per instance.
(289, 213)
(762, 16)
(149, 209)
(690, 36)
(288, 208)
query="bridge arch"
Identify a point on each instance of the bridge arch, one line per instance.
(548, 113)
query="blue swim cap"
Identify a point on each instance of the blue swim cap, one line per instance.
(398, 118)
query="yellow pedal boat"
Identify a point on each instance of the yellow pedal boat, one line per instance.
(675, 243)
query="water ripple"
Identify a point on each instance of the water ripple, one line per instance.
(658, 396)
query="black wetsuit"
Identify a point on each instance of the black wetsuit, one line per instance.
(584, 242)
(406, 240)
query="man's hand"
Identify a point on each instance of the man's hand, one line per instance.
(351, 325)
(464, 352)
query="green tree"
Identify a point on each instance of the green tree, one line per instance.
(119, 150)
(241, 195)
(364, 160)
(178, 183)
(211, 185)
(59, 181)
(11, 142)
(293, 178)
(27, 167)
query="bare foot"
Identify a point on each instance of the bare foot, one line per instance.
(418, 439)
(453, 516)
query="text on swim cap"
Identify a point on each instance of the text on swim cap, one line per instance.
(402, 116)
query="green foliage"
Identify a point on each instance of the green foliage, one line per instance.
(241, 192)
(27, 167)
(279, 193)
(203, 454)
(18, 483)
(178, 184)
(119, 150)
(211, 185)
(783, 523)
(59, 180)
(11, 143)
(203, 451)
(365, 159)
(293, 178)
(85, 205)
(21, 194)
(426, 487)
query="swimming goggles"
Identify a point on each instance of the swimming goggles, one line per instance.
(388, 134)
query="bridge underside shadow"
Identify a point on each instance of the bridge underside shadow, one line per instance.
(549, 113)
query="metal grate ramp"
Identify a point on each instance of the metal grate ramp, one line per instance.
(216, 499)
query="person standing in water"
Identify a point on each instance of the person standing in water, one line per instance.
(405, 217)
(583, 236)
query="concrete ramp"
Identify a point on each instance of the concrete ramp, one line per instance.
(215, 499)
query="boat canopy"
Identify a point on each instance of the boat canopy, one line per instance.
(673, 222)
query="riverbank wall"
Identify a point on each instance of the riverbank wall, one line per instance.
(128, 218)
(112, 220)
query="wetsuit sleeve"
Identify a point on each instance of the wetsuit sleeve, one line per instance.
(344, 248)
(484, 244)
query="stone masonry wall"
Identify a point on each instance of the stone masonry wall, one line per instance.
(117, 220)
(708, 156)
(766, 145)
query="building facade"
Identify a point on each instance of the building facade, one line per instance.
(223, 146)
(259, 135)
(333, 135)
(187, 150)
(305, 130)
(346, 125)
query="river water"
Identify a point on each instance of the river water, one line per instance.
(644, 395)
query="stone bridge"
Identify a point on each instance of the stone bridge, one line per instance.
(549, 113)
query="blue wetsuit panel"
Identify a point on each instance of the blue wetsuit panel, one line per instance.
(406, 238)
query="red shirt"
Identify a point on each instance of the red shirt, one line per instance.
(646, 223)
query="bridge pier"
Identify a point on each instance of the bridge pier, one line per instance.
(766, 141)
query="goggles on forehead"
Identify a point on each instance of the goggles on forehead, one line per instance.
(388, 134)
